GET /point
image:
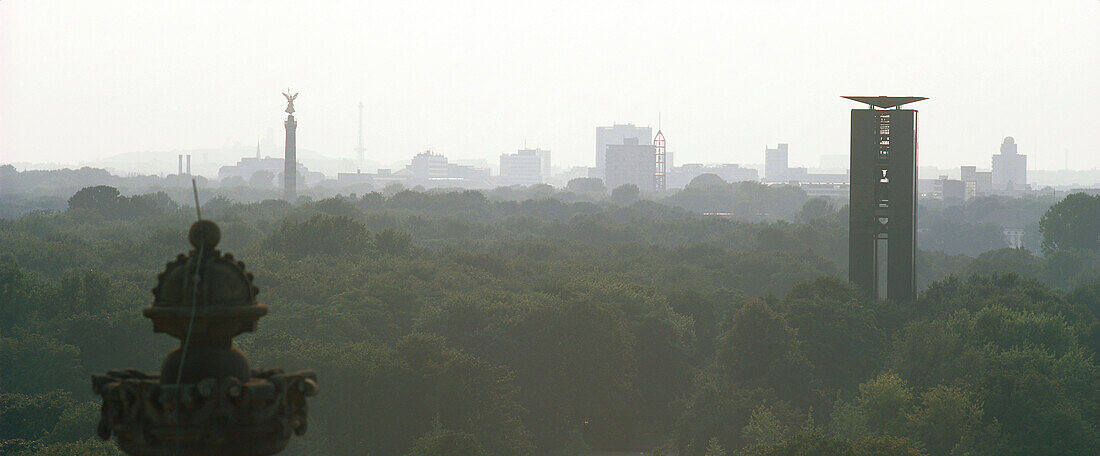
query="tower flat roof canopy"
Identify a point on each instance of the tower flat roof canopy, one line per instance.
(886, 102)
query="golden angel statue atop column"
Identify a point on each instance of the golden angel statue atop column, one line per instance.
(289, 101)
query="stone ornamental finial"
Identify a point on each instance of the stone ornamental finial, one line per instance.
(206, 399)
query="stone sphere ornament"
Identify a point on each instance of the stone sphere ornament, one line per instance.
(206, 400)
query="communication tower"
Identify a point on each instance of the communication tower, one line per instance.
(659, 174)
(359, 150)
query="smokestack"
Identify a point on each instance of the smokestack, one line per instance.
(180, 172)
(188, 164)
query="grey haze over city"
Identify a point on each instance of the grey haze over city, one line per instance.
(84, 81)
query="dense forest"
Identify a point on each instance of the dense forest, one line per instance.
(565, 322)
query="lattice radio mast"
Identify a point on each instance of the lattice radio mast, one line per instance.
(661, 164)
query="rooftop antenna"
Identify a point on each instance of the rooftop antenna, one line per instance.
(360, 149)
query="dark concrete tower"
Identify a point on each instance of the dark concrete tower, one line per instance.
(882, 215)
(290, 159)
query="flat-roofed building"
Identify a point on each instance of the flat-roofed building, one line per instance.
(1009, 169)
(630, 163)
(618, 134)
(525, 167)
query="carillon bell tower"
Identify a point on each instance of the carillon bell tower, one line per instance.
(882, 215)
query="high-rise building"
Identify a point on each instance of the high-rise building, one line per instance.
(630, 163)
(433, 170)
(775, 163)
(1009, 168)
(978, 183)
(544, 164)
(428, 165)
(950, 189)
(882, 215)
(618, 134)
(525, 167)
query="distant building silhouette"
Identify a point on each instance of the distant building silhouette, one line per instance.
(1014, 237)
(777, 170)
(775, 164)
(427, 166)
(525, 167)
(630, 163)
(681, 176)
(950, 189)
(618, 134)
(978, 183)
(433, 170)
(1009, 169)
(246, 167)
(378, 180)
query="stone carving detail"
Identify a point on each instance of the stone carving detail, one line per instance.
(206, 401)
(251, 418)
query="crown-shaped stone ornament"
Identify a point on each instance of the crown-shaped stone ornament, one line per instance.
(206, 400)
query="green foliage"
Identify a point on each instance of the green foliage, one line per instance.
(586, 184)
(101, 198)
(104, 201)
(840, 334)
(816, 209)
(85, 447)
(34, 363)
(714, 448)
(625, 194)
(959, 237)
(884, 402)
(1006, 261)
(743, 200)
(321, 235)
(706, 180)
(805, 444)
(441, 442)
(1071, 224)
(391, 242)
(23, 295)
(884, 446)
(945, 415)
(31, 417)
(760, 349)
(767, 425)
(543, 322)
(262, 179)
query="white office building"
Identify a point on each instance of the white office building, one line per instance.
(618, 134)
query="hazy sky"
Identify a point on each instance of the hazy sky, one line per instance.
(82, 80)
